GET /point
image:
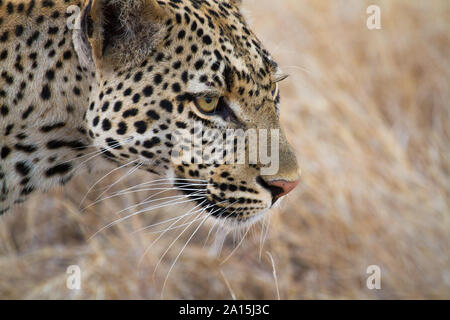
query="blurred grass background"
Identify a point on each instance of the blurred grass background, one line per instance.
(368, 114)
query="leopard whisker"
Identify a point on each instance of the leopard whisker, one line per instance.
(115, 222)
(102, 178)
(180, 253)
(264, 233)
(181, 233)
(189, 213)
(161, 190)
(95, 153)
(218, 219)
(237, 247)
(169, 220)
(127, 174)
(179, 226)
(146, 201)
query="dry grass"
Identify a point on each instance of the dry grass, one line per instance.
(368, 113)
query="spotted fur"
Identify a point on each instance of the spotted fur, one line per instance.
(124, 83)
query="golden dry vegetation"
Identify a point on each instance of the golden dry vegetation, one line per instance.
(368, 115)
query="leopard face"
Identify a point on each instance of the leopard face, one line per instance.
(202, 68)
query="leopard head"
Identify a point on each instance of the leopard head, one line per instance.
(174, 81)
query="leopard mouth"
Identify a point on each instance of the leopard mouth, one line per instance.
(223, 209)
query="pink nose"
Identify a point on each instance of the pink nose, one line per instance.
(282, 187)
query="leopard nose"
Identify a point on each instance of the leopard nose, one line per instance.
(283, 186)
(278, 188)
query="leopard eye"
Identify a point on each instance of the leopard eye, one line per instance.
(206, 104)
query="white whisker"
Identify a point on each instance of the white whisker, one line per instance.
(217, 221)
(135, 214)
(105, 176)
(181, 233)
(181, 252)
(130, 172)
(147, 201)
(162, 190)
(237, 247)
(274, 274)
(189, 213)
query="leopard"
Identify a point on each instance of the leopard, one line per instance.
(85, 84)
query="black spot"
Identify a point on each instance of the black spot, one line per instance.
(166, 105)
(5, 152)
(127, 92)
(50, 75)
(67, 55)
(20, 7)
(185, 77)
(158, 79)
(141, 127)
(27, 190)
(46, 93)
(147, 154)
(51, 127)
(4, 110)
(122, 128)
(151, 143)
(130, 113)
(106, 125)
(25, 148)
(19, 30)
(113, 144)
(59, 169)
(207, 40)
(179, 50)
(105, 106)
(57, 144)
(27, 112)
(136, 98)
(176, 87)
(199, 64)
(23, 168)
(77, 91)
(138, 77)
(148, 91)
(4, 54)
(153, 115)
(10, 8)
(229, 77)
(48, 3)
(181, 34)
(30, 7)
(177, 65)
(117, 106)
(53, 30)
(4, 36)
(32, 38)
(181, 125)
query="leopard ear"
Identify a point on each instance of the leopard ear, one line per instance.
(122, 31)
